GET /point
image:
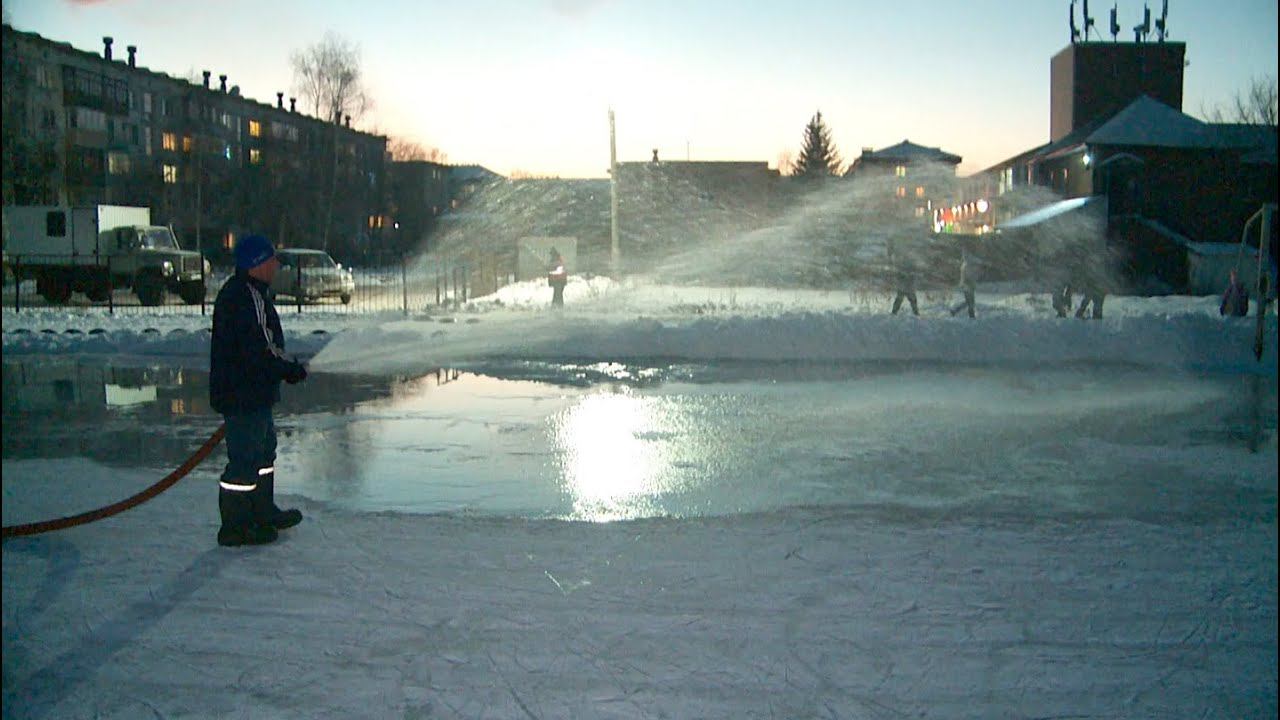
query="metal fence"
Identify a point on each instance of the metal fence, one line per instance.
(401, 283)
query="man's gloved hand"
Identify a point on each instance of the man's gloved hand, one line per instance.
(295, 373)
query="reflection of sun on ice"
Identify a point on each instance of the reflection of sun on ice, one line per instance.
(609, 467)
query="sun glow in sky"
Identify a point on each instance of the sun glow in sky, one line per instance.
(525, 85)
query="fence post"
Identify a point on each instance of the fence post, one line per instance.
(297, 285)
(203, 283)
(111, 289)
(17, 283)
(404, 282)
(437, 284)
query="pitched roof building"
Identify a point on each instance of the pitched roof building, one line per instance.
(1171, 181)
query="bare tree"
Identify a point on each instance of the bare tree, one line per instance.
(403, 149)
(327, 76)
(1255, 105)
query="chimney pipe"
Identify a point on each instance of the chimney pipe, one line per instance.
(223, 80)
(133, 51)
(280, 100)
(293, 104)
(348, 121)
(106, 47)
(206, 74)
(655, 154)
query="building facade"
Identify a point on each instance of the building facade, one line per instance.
(922, 180)
(1172, 182)
(86, 128)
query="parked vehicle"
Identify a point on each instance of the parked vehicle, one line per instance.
(96, 248)
(309, 275)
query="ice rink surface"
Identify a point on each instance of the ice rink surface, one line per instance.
(800, 511)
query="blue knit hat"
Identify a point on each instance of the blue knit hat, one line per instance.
(252, 251)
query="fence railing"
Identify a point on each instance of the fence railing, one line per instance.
(401, 283)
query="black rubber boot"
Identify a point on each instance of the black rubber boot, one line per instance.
(238, 524)
(265, 509)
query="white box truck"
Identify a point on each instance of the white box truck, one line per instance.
(96, 248)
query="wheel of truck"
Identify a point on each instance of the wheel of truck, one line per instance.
(98, 292)
(53, 288)
(150, 291)
(97, 287)
(191, 292)
(346, 298)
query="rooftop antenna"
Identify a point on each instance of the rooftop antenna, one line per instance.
(1115, 24)
(1162, 23)
(1088, 21)
(1071, 18)
(1140, 32)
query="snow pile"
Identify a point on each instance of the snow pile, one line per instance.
(636, 320)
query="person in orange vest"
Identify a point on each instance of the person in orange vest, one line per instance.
(557, 278)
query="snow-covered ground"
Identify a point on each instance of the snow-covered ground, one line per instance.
(798, 612)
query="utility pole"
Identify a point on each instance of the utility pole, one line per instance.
(614, 253)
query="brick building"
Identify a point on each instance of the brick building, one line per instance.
(1173, 185)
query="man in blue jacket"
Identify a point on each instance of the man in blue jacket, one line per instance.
(246, 364)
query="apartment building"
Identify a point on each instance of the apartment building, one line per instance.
(85, 127)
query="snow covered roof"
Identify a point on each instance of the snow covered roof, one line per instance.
(907, 150)
(1048, 212)
(1149, 122)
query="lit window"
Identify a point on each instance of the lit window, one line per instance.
(255, 128)
(171, 174)
(919, 212)
(117, 163)
(255, 156)
(228, 241)
(186, 143)
(900, 171)
(902, 191)
(919, 191)
(170, 141)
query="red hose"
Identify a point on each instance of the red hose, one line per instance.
(117, 508)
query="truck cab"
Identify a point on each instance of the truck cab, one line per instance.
(148, 258)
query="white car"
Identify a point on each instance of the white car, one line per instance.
(311, 275)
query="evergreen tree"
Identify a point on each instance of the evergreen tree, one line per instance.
(818, 158)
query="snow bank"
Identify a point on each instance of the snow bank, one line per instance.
(636, 321)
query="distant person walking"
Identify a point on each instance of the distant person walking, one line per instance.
(557, 278)
(903, 276)
(246, 364)
(1087, 277)
(967, 284)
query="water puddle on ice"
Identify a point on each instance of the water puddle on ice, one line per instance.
(612, 441)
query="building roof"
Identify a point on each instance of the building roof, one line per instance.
(907, 150)
(1149, 122)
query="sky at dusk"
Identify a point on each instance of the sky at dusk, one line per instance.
(525, 85)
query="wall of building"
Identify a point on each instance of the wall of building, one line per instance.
(1093, 80)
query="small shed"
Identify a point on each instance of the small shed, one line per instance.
(1209, 266)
